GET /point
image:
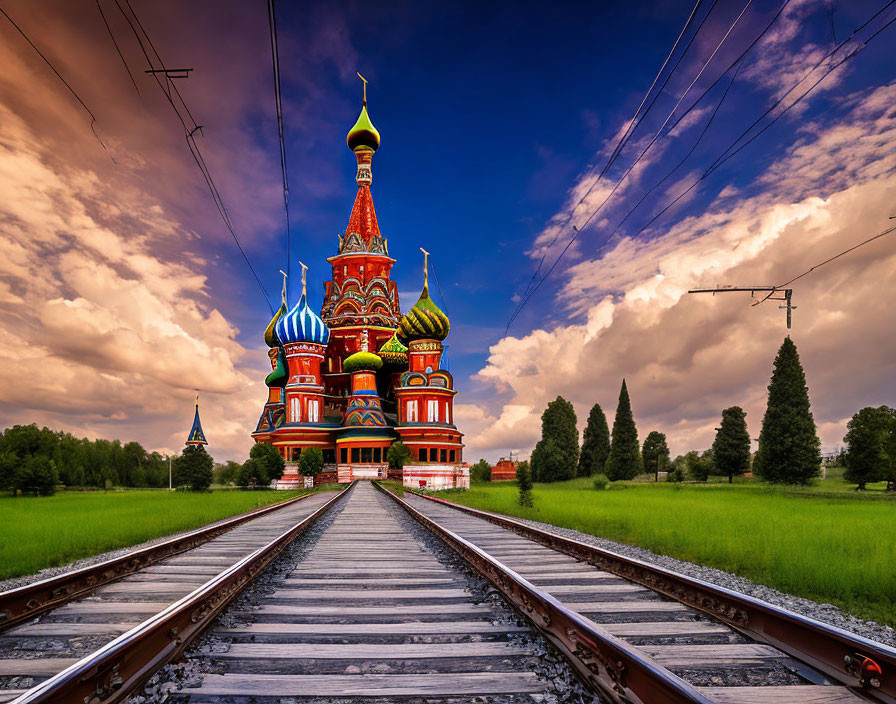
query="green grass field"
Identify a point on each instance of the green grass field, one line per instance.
(39, 532)
(822, 542)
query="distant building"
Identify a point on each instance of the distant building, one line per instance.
(361, 376)
(505, 470)
(196, 436)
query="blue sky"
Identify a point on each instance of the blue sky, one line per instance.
(494, 117)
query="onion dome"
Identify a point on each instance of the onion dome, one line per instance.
(270, 332)
(279, 376)
(425, 321)
(362, 361)
(301, 324)
(363, 135)
(393, 353)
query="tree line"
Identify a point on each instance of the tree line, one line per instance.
(789, 450)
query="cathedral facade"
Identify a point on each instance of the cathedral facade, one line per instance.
(360, 375)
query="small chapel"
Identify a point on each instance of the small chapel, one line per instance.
(361, 375)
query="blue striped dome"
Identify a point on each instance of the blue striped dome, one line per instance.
(301, 324)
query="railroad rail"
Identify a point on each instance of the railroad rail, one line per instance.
(24, 603)
(372, 611)
(99, 606)
(846, 667)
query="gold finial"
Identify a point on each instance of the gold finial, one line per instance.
(283, 292)
(304, 279)
(425, 268)
(364, 82)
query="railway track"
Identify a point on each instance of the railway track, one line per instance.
(373, 610)
(51, 625)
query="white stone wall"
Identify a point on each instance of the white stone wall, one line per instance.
(436, 476)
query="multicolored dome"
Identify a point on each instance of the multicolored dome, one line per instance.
(270, 332)
(362, 361)
(301, 324)
(393, 353)
(279, 376)
(425, 321)
(363, 135)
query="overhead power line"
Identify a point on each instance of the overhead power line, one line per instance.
(164, 78)
(578, 229)
(58, 75)
(275, 59)
(630, 129)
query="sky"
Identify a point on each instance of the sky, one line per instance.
(121, 291)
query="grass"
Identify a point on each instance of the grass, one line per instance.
(825, 542)
(39, 532)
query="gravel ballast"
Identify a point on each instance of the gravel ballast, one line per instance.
(826, 613)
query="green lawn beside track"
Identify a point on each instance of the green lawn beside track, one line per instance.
(825, 542)
(47, 531)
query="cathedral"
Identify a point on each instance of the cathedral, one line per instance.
(360, 375)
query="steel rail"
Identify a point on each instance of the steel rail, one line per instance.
(845, 657)
(605, 663)
(24, 603)
(113, 672)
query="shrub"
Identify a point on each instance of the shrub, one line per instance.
(398, 455)
(270, 462)
(601, 481)
(524, 483)
(311, 462)
(481, 472)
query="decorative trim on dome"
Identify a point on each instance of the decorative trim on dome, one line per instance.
(362, 361)
(301, 324)
(393, 353)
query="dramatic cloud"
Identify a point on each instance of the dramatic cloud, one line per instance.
(686, 357)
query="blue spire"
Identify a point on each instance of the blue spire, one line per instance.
(196, 436)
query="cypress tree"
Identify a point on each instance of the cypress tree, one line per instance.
(789, 448)
(624, 460)
(595, 443)
(556, 454)
(524, 483)
(731, 448)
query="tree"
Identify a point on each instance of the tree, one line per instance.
(624, 460)
(524, 483)
(481, 471)
(556, 455)
(677, 472)
(226, 473)
(272, 464)
(655, 452)
(36, 475)
(869, 436)
(252, 474)
(193, 468)
(595, 443)
(789, 448)
(699, 467)
(311, 462)
(8, 462)
(398, 455)
(731, 448)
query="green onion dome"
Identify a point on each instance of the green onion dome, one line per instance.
(279, 376)
(362, 361)
(393, 353)
(270, 332)
(425, 321)
(363, 135)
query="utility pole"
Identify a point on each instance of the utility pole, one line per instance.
(786, 295)
(169, 473)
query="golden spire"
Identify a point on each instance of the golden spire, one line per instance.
(283, 291)
(304, 279)
(364, 87)
(425, 269)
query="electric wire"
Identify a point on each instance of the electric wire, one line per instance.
(837, 256)
(275, 60)
(577, 229)
(725, 156)
(623, 140)
(117, 48)
(58, 75)
(190, 127)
